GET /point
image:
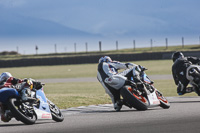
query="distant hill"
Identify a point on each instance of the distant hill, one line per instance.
(16, 26)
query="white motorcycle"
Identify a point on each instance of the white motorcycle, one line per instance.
(193, 75)
(143, 95)
(138, 92)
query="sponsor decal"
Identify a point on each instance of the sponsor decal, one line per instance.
(46, 115)
(156, 102)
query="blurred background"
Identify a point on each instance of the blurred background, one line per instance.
(50, 26)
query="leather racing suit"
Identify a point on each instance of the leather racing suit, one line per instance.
(111, 79)
(179, 70)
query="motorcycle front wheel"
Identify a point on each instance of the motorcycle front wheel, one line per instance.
(163, 101)
(55, 112)
(22, 112)
(197, 90)
(137, 101)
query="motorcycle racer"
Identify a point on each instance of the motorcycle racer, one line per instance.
(6, 90)
(179, 71)
(112, 80)
(7, 80)
(13, 87)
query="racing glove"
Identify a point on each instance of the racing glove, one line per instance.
(37, 85)
(129, 65)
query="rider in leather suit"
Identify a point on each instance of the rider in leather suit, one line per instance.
(179, 69)
(6, 90)
(112, 80)
(13, 87)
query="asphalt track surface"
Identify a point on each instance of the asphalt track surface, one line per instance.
(182, 117)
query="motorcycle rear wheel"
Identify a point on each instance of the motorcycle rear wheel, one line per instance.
(19, 113)
(138, 102)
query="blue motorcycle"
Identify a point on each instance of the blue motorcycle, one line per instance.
(30, 111)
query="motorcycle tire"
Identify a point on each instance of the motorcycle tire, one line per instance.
(14, 107)
(197, 90)
(163, 101)
(133, 100)
(55, 112)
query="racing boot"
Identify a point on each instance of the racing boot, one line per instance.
(197, 90)
(2, 112)
(6, 117)
(118, 105)
(189, 89)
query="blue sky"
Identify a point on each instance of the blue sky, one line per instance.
(26, 23)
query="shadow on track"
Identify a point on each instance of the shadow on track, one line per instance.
(185, 102)
(184, 99)
(9, 125)
(113, 111)
(22, 124)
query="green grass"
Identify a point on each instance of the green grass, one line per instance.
(67, 95)
(168, 88)
(85, 70)
(58, 71)
(75, 94)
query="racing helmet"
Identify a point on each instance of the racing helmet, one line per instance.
(105, 59)
(4, 76)
(30, 83)
(177, 55)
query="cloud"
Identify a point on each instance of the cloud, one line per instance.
(99, 19)
(110, 17)
(12, 3)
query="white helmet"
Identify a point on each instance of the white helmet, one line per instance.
(4, 76)
(105, 59)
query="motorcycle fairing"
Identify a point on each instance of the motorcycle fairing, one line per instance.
(43, 112)
(153, 99)
(146, 78)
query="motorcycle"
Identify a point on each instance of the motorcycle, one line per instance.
(29, 112)
(142, 94)
(193, 75)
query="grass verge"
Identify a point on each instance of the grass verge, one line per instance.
(67, 95)
(84, 70)
(75, 94)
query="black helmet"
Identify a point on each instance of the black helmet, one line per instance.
(177, 55)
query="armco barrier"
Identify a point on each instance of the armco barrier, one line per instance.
(90, 59)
